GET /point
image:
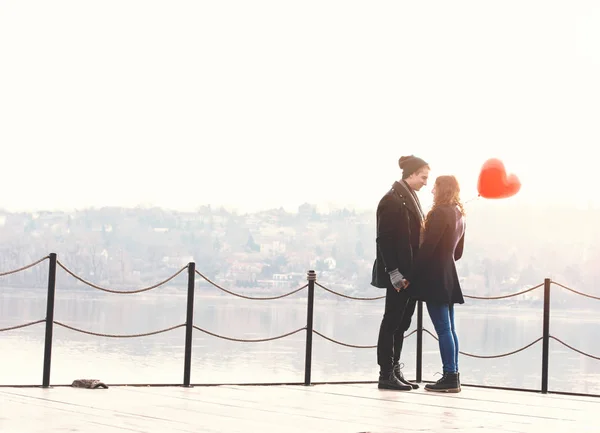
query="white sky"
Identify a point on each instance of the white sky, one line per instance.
(258, 104)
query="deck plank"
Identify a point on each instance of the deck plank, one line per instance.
(320, 408)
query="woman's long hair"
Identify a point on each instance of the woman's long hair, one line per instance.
(447, 192)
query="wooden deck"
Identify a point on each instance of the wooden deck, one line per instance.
(318, 408)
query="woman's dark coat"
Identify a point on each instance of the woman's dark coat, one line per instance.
(433, 277)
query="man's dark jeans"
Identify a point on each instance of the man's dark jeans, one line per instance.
(399, 309)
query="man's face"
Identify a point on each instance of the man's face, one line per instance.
(418, 179)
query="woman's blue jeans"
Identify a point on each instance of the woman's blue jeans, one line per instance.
(442, 317)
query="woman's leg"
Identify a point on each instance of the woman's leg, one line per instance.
(440, 317)
(454, 336)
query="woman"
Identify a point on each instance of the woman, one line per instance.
(434, 279)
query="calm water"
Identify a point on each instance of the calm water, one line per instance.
(484, 328)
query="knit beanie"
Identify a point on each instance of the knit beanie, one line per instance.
(410, 164)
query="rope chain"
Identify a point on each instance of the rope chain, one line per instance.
(269, 298)
(355, 346)
(466, 296)
(120, 292)
(348, 297)
(505, 296)
(576, 350)
(287, 334)
(10, 328)
(99, 334)
(243, 340)
(490, 356)
(576, 292)
(14, 271)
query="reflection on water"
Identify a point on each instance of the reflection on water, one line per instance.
(483, 328)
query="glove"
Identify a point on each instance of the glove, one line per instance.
(397, 279)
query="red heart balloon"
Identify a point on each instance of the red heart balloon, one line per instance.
(493, 181)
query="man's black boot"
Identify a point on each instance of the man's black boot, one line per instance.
(448, 383)
(388, 380)
(400, 376)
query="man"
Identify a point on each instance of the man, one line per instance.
(399, 222)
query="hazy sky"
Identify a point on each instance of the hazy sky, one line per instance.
(256, 104)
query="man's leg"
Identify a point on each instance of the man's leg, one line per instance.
(405, 319)
(392, 317)
(409, 310)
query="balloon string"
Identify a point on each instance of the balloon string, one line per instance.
(474, 198)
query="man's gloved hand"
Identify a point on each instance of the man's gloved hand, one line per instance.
(397, 280)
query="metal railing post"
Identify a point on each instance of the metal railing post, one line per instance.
(189, 324)
(49, 320)
(419, 341)
(311, 277)
(546, 336)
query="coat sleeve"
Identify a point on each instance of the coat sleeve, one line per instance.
(435, 230)
(458, 252)
(393, 232)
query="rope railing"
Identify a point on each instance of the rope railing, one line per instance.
(24, 268)
(24, 325)
(576, 292)
(101, 334)
(255, 298)
(522, 292)
(120, 292)
(466, 296)
(347, 296)
(472, 355)
(355, 346)
(505, 296)
(160, 331)
(434, 336)
(245, 340)
(310, 331)
(265, 298)
(145, 334)
(573, 349)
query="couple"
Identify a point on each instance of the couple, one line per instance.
(416, 261)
